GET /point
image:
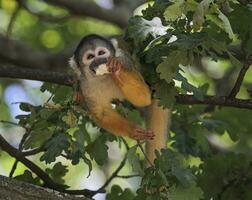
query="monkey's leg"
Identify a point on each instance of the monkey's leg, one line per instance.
(131, 83)
(111, 121)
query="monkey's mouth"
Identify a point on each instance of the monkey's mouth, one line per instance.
(96, 63)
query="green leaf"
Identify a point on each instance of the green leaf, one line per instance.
(40, 133)
(189, 87)
(62, 94)
(222, 170)
(54, 147)
(140, 28)
(199, 14)
(184, 193)
(227, 25)
(117, 193)
(175, 10)
(57, 172)
(134, 160)
(25, 107)
(234, 60)
(166, 94)
(168, 67)
(27, 177)
(37, 138)
(98, 150)
(70, 119)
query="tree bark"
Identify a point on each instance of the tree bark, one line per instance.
(12, 189)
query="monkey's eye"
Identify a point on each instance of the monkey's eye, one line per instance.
(90, 56)
(101, 52)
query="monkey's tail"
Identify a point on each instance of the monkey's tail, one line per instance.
(159, 121)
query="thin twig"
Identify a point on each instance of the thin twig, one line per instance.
(9, 122)
(128, 176)
(146, 157)
(240, 78)
(113, 175)
(32, 152)
(20, 147)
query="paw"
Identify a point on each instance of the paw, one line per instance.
(142, 134)
(113, 65)
(78, 98)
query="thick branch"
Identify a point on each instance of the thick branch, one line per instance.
(119, 15)
(39, 75)
(215, 101)
(65, 79)
(16, 53)
(48, 182)
(13, 189)
(34, 168)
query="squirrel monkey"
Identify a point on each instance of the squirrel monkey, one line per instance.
(106, 72)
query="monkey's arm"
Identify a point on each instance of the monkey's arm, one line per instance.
(113, 122)
(131, 83)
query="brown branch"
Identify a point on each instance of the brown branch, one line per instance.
(240, 78)
(14, 189)
(16, 53)
(48, 182)
(113, 175)
(116, 15)
(33, 167)
(32, 152)
(9, 122)
(215, 101)
(20, 147)
(66, 79)
(39, 75)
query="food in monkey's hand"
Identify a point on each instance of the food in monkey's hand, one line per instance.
(99, 66)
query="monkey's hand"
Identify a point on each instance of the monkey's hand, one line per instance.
(130, 82)
(113, 65)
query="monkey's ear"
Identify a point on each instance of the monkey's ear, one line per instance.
(74, 66)
(114, 42)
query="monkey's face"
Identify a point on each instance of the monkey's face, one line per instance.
(97, 53)
(92, 51)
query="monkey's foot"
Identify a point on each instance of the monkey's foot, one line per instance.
(141, 134)
(113, 65)
(78, 97)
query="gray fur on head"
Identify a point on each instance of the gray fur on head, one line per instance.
(91, 42)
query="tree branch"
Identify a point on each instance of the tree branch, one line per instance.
(13, 189)
(215, 101)
(48, 182)
(116, 15)
(34, 168)
(16, 53)
(240, 78)
(66, 79)
(34, 74)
